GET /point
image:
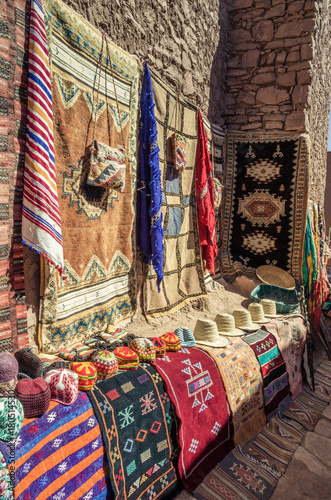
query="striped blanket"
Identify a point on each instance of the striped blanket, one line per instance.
(41, 224)
(61, 455)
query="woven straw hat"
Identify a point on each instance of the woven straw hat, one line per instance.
(269, 308)
(226, 325)
(257, 313)
(206, 333)
(243, 320)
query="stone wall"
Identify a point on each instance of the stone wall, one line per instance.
(184, 41)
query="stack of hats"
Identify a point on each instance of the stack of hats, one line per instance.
(29, 364)
(87, 374)
(64, 385)
(8, 373)
(172, 342)
(35, 396)
(127, 358)
(160, 346)
(11, 418)
(106, 364)
(145, 349)
(243, 320)
(257, 314)
(185, 336)
(206, 333)
(226, 325)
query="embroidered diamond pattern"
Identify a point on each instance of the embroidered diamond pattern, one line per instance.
(215, 430)
(91, 421)
(151, 492)
(111, 432)
(193, 446)
(146, 455)
(128, 445)
(164, 398)
(156, 377)
(104, 407)
(141, 435)
(119, 477)
(155, 427)
(115, 454)
(164, 481)
(162, 445)
(131, 467)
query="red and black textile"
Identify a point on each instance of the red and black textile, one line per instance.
(276, 387)
(195, 388)
(13, 84)
(205, 199)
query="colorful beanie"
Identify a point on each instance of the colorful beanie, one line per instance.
(185, 336)
(64, 385)
(11, 418)
(35, 396)
(87, 374)
(106, 364)
(8, 373)
(127, 359)
(160, 346)
(172, 341)
(29, 363)
(145, 349)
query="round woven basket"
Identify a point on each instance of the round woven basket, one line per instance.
(273, 275)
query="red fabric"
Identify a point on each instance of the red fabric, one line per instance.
(205, 198)
(195, 388)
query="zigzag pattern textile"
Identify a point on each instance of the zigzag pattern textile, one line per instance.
(276, 389)
(41, 224)
(61, 455)
(14, 36)
(196, 390)
(136, 422)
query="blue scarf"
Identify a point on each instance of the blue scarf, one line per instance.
(149, 197)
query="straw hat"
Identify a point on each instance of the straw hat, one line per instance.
(269, 308)
(226, 325)
(257, 313)
(206, 333)
(243, 320)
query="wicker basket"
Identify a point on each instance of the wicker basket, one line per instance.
(276, 276)
(287, 300)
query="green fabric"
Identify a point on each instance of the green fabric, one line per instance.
(11, 418)
(309, 268)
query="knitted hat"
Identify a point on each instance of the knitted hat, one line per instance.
(35, 396)
(29, 363)
(11, 418)
(185, 336)
(64, 385)
(206, 333)
(269, 308)
(257, 313)
(106, 364)
(127, 358)
(226, 325)
(56, 365)
(243, 320)
(87, 374)
(145, 349)
(8, 373)
(160, 346)
(172, 341)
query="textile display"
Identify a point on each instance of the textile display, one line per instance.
(205, 198)
(196, 390)
(97, 223)
(290, 334)
(6, 488)
(307, 408)
(266, 189)
(325, 333)
(61, 455)
(149, 197)
(41, 223)
(182, 267)
(135, 417)
(276, 388)
(253, 474)
(240, 372)
(14, 36)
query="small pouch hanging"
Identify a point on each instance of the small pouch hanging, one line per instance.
(178, 144)
(106, 165)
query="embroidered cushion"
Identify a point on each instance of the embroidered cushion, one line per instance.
(145, 349)
(179, 151)
(127, 359)
(106, 364)
(160, 346)
(107, 167)
(64, 385)
(87, 374)
(172, 341)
